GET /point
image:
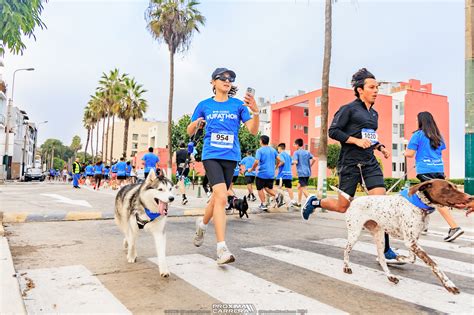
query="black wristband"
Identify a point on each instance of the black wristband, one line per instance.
(380, 146)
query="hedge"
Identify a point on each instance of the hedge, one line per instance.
(334, 181)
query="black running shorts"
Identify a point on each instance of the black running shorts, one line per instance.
(303, 181)
(349, 177)
(428, 176)
(249, 179)
(264, 183)
(219, 171)
(284, 182)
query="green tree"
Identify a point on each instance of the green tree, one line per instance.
(76, 145)
(133, 106)
(58, 163)
(18, 18)
(174, 22)
(179, 132)
(333, 156)
(248, 141)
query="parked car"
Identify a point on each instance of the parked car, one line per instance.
(34, 174)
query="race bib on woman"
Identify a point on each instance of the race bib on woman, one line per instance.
(222, 140)
(371, 135)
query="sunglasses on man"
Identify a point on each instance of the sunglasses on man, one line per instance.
(224, 78)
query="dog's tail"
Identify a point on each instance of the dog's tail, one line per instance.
(343, 194)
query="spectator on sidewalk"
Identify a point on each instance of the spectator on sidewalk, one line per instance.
(76, 173)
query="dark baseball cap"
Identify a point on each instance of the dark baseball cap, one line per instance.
(221, 71)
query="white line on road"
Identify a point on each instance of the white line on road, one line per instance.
(453, 247)
(454, 266)
(68, 200)
(443, 234)
(69, 289)
(413, 291)
(231, 285)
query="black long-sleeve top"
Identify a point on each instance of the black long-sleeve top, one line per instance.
(349, 121)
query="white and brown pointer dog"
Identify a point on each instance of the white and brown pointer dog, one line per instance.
(402, 219)
(145, 206)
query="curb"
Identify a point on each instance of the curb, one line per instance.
(11, 301)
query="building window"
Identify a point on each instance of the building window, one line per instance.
(395, 149)
(133, 153)
(295, 127)
(305, 112)
(318, 101)
(396, 106)
(317, 122)
(394, 167)
(134, 145)
(135, 137)
(306, 147)
(395, 129)
(402, 108)
(402, 130)
(305, 130)
(402, 167)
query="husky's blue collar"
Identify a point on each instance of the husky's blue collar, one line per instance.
(152, 215)
(416, 201)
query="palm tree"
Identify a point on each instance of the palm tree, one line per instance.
(174, 22)
(323, 144)
(87, 121)
(133, 107)
(110, 87)
(98, 113)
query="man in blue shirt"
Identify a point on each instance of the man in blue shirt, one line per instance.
(121, 171)
(265, 159)
(302, 159)
(150, 160)
(89, 172)
(247, 162)
(285, 175)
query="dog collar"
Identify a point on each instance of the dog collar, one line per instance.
(152, 215)
(416, 201)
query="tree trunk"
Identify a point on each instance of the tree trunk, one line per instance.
(112, 139)
(170, 113)
(107, 137)
(125, 137)
(87, 144)
(103, 139)
(97, 141)
(92, 143)
(323, 144)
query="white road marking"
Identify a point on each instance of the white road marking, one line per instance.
(409, 290)
(231, 285)
(453, 247)
(69, 289)
(63, 199)
(453, 266)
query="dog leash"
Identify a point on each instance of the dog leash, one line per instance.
(403, 176)
(364, 186)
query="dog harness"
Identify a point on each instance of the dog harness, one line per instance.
(152, 215)
(416, 201)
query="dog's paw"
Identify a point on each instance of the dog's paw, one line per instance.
(164, 274)
(348, 270)
(132, 259)
(453, 290)
(393, 279)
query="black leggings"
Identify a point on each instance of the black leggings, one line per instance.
(219, 171)
(387, 244)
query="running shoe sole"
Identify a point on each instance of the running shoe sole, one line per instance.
(454, 236)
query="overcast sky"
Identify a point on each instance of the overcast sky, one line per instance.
(274, 46)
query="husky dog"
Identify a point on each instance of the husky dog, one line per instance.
(145, 206)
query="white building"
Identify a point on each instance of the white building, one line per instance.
(158, 135)
(265, 126)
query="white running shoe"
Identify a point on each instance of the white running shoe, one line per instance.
(224, 256)
(199, 236)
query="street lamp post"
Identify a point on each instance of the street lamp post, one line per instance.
(6, 157)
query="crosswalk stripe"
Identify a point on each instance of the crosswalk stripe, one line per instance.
(413, 291)
(453, 266)
(69, 289)
(231, 285)
(453, 247)
(440, 233)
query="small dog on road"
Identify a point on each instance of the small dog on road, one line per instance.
(403, 219)
(145, 206)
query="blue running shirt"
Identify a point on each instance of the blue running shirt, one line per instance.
(121, 168)
(98, 169)
(89, 170)
(284, 171)
(248, 163)
(150, 161)
(266, 157)
(222, 127)
(302, 157)
(428, 160)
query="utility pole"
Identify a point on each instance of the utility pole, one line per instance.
(469, 68)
